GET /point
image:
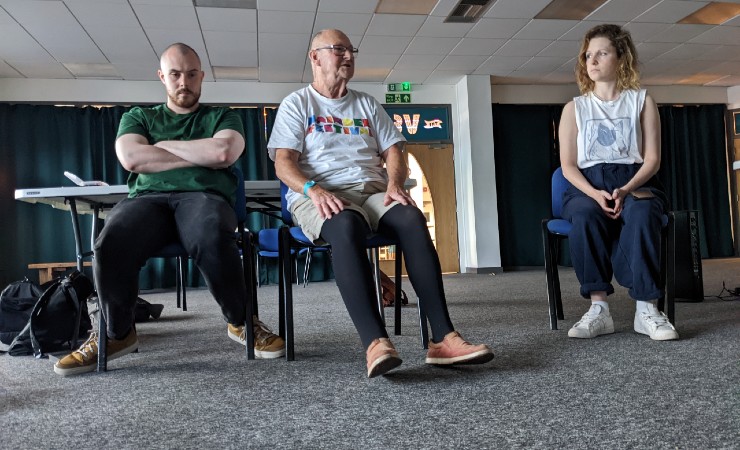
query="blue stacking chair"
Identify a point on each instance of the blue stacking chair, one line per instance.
(292, 237)
(555, 229)
(176, 249)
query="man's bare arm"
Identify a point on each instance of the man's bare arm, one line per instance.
(218, 152)
(136, 155)
(286, 168)
(395, 165)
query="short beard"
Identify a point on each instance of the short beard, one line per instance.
(185, 102)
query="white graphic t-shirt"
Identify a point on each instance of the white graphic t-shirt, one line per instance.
(340, 140)
(609, 131)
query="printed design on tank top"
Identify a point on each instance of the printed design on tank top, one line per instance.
(608, 139)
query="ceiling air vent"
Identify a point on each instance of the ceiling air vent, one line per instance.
(469, 11)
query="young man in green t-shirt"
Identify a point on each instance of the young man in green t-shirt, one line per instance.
(180, 186)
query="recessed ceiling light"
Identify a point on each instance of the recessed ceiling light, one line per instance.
(569, 9)
(714, 13)
(469, 11)
(225, 73)
(93, 70)
(405, 7)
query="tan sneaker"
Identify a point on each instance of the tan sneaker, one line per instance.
(85, 358)
(381, 357)
(456, 350)
(267, 345)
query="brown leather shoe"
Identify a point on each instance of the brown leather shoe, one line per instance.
(381, 357)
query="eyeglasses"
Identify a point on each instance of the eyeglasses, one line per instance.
(339, 50)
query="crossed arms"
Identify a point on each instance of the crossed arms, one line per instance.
(138, 156)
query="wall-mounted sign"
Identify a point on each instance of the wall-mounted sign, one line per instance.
(398, 98)
(422, 124)
(403, 87)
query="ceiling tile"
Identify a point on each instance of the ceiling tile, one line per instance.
(16, 43)
(621, 10)
(7, 71)
(464, 63)
(374, 74)
(501, 65)
(223, 52)
(161, 39)
(395, 24)
(137, 72)
(357, 23)
(643, 31)
(475, 46)
(419, 61)
(688, 51)
(545, 29)
(394, 45)
(98, 14)
(444, 77)
(496, 28)
(95, 71)
(522, 47)
(122, 45)
(227, 19)
(680, 33)
(431, 45)
(167, 17)
(31, 69)
(648, 51)
(577, 32)
(293, 22)
(561, 49)
(718, 35)
(415, 76)
(670, 11)
(348, 6)
(444, 8)
(287, 5)
(434, 26)
(516, 9)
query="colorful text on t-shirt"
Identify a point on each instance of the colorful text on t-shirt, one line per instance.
(329, 124)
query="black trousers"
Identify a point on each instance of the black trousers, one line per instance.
(347, 233)
(137, 228)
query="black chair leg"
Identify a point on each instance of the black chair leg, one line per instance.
(550, 275)
(286, 282)
(182, 282)
(248, 261)
(102, 341)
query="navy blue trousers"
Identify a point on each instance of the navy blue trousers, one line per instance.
(626, 248)
(137, 228)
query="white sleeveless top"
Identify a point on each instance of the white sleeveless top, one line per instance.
(609, 132)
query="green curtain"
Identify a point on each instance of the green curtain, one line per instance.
(693, 172)
(526, 154)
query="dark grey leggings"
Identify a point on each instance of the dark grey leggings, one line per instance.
(137, 228)
(347, 233)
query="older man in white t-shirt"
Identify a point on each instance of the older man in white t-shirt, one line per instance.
(330, 145)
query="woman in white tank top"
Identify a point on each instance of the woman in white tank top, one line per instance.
(610, 153)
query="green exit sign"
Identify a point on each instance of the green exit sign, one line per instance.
(402, 87)
(398, 98)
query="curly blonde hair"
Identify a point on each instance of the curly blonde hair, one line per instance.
(628, 74)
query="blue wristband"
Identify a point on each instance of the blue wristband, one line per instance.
(309, 184)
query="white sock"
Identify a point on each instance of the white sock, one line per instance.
(645, 306)
(604, 305)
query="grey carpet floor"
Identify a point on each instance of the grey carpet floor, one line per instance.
(189, 386)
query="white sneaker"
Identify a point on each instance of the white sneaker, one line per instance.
(655, 324)
(595, 322)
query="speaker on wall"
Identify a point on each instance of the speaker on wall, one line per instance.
(688, 273)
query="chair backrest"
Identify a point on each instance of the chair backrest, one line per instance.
(240, 204)
(285, 214)
(559, 185)
(267, 239)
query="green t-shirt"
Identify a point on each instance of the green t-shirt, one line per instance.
(157, 124)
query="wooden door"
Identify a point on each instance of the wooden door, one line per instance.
(438, 167)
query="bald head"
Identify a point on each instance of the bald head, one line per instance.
(179, 49)
(327, 37)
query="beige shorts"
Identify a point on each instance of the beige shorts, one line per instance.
(365, 198)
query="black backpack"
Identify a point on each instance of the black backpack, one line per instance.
(59, 318)
(16, 304)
